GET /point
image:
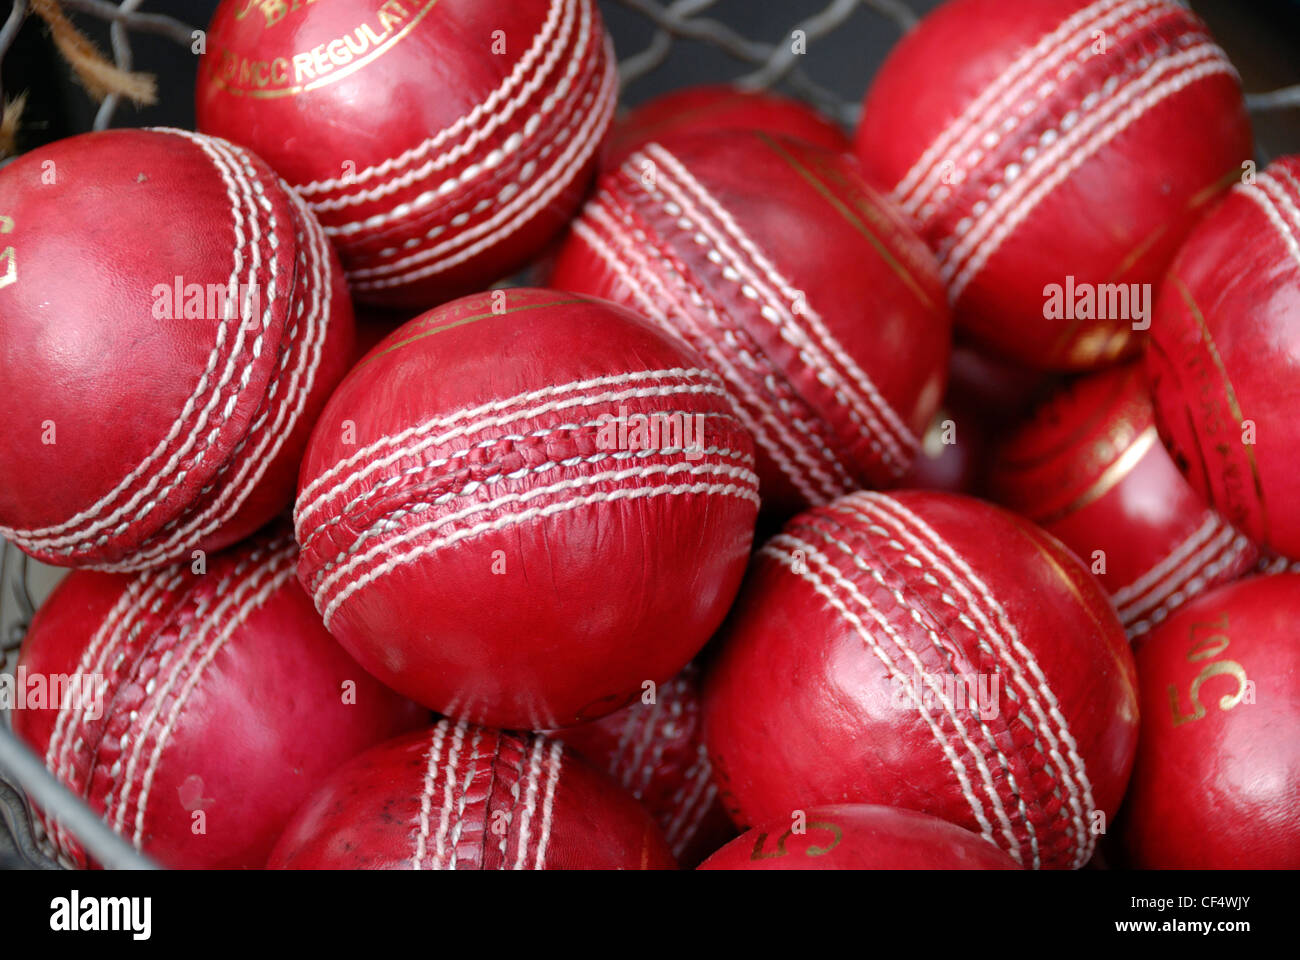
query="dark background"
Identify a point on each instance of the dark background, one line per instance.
(1261, 36)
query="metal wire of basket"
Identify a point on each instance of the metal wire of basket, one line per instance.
(668, 26)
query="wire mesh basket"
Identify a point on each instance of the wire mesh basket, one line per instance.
(822, 52)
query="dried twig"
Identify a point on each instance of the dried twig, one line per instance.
(96, 74)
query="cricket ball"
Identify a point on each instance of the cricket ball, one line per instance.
(859, 837)
(1216, 783)
(442, 143)
(525, 504)
(720, 107)
(654, 749)
(216, 703)
(161, 362)
(932, 652)
(1224, 358)
(1049, 144)
(807, 291)
(460, 797)
(1088, 467)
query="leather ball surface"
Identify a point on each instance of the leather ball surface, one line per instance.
(524, 505)
(932, 652)
(796, 282)
(441, 142)
(1039, 140)
(217, 704)
(1224, 358)
(172, 320)
(459, 797)
(1089, 468)
(656, 752)
(719, 107)
(860, 837)
(1216, 783)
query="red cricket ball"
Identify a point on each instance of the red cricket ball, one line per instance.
(720, 107)
(1224, 358)
(656, 752)
(932, 652)
(171, 322)
(860, 837)
(459, 797)
(1089, 469)
(441, 142)
(201, 709)
(1216, 783)
(525, 504)
(1065, 143)
(803, 288)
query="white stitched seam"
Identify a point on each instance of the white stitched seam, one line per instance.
(813, 579)
(912, 527)
(541, 43)
(548, 804)
(986, 112)
(426, 794)
(740, 491)
(759, 412)
(323, 579)
(520, 209)
(856, 392)
(270, 439)
(427, 427)
(426, 467)
(513, 144)
(524, 835)
(236, 184)
(975, 250)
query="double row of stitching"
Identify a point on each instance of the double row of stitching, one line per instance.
(782, 425)
(1024, 189)
(333, 592)
(308, 324)
(424, 820)
(498, 446)
(797, 322)
(851, 604)
(639, 746)
(501, 446)
(694, 796)
(1059, 103)
(514, 206)
(78, 533)
(957, 590)
(502, 159)
(1009, 99)
(691, 802)
(481, 122)
(742, 469)
(993, 764)
(69, 751)
(1187, 570)
(998, 637)
(545, 760)
(247, 588)
(738, 481)
(455, 795)
(343, 476)
(1276, 192)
